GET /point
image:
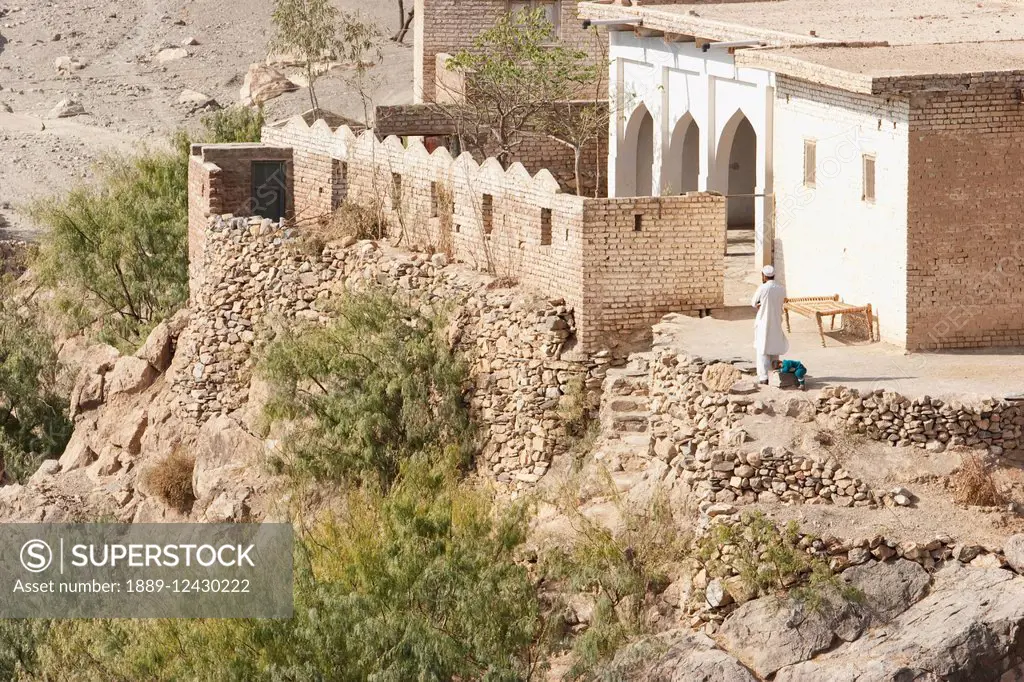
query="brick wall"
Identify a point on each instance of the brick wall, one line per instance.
(220, 182)
(965, 228)
(448, 26)
(646, 257)
(519, 226)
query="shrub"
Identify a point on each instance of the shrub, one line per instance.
(115, 252)
(769, 559)
(34, 423)
(171, 480)
(349, 220)
(973, 484)
(416, 583)
(372, 389)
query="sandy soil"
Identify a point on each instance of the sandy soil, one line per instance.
(130, 98)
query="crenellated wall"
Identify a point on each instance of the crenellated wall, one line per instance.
(619, 264)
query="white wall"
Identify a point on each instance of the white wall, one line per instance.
(677, 80)
(828, 240)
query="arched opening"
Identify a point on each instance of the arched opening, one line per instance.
(742, 178)
(682, 163)
(636, 155)
(735, 174)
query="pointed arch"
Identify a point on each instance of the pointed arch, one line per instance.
(681, 165)
(636, 155)
(736, 166)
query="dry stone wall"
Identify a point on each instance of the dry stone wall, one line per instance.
(519, 346)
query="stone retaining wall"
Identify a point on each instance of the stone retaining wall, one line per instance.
(519, 347)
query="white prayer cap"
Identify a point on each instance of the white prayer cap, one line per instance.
(768, 271)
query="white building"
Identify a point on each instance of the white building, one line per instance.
(876, 148)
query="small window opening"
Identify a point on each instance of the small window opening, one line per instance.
(869, 179)
(545, 226)
(810, 162)
(487, 213)
(638, 223)
(433, 200)
(396, 190)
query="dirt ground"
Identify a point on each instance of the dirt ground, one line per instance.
(131, 98)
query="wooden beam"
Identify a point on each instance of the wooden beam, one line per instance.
(642, 32)
(701, 42)
(677, 38)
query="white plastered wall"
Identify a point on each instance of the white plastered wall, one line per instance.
(678, 81)
(829, 240)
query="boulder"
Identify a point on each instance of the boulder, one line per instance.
(67, 64)
(158, 348)
(125, 430)
(771, 633)
(801, 409)
(171, 54)
(228, 507)
(66, 108)
(88, 391)
(677, 656)
(106, 464)
(195, 100)
(889, 588)
(130, 375)
(226, 456)
(968, 628)
(77, 453)
(1013, 550)
(264, 83)
(720, 377)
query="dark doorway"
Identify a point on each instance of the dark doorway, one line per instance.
(269, 190)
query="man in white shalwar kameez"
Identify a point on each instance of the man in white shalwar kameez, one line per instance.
(769, 341)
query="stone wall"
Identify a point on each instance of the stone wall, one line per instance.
(518, 345)
(619, 263)
(966, 253)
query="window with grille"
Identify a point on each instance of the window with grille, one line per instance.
(810, 162)
(869, 178)
(552, 11)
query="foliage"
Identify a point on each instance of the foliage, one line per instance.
(375, 387)
(361, 47)
(416, 583)
(34, 423)
(513, 73)
(768, 559)
(234, 124)
(621, 570)
(171, 480)
(19, 645)
(116, 253)
(309, 30)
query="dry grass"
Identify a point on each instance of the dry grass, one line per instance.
(171, 480)
(350, 220)
(973, 484)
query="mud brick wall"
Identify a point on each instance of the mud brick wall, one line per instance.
(448, 26)
(220, 182)
(965, 234)
(645, 257)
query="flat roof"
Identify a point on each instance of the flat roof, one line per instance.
(875, 45)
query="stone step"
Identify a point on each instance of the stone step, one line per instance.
(635, 422)
(628, 404)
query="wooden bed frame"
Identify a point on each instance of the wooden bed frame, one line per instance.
(818, 307)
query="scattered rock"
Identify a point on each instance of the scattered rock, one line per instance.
(1013, 550)
(66, 108)
(678, 656)
(720, 377)
(171, 54)
(195, 101)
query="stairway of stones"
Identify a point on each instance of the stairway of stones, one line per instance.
(624, 441)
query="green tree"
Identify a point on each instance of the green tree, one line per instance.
(513, 74)
(34, 422)
(309, 30)
(375, 387)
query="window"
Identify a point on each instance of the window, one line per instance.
(552, 11)
(869, 178)
(433, 200)
(638, 222)
(339, 182)
(396, 191)
(810, 162)
(545, 226)
(487, 213)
